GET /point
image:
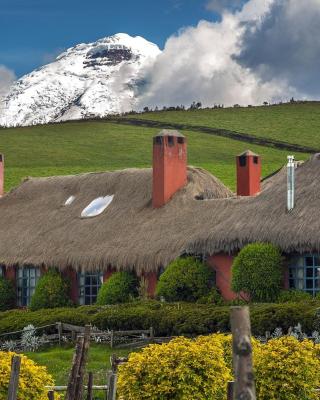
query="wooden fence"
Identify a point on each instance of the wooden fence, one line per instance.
(243, 386)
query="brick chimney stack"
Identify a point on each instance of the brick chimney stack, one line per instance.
(248, 174)
(169, 166)
(1, 175)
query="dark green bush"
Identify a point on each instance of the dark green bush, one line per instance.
(119, 288)
(185, 279)
(168, 318)
(213, 297)
(258, 271)
(7, 295)
(292, 295)
(51, 291)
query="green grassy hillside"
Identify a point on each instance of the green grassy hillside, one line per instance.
(297, 123)
(98, 146)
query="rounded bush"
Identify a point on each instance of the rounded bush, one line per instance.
(119, 288)
(185, 279)
(7, 295)
(182, 369)
(51, 291)
(32, 378)
(257, 271)
(293, 296)
(213, 297)
(286, 369)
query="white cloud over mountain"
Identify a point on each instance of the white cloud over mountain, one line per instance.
(267, 51)
(7, 77)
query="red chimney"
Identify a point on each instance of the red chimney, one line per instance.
(169, 166)
(248, 174)
(1, 175)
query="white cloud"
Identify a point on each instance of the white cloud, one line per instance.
(7, 77)
(241, 59)
(220, 5)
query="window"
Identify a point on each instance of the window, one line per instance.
(304, 273)
(255, 160)
(27, 278)
(242, 161)
(69, 200)
(89, 285)
(157, 140)
(1, 271)
(180, 140)
(171, 140)
(96, 207)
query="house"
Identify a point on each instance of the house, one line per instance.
(93, 224)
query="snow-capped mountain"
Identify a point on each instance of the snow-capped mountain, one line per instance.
(87, 80)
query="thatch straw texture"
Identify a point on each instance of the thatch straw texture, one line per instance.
(36, 228)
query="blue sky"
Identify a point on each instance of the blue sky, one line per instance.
(32, 32)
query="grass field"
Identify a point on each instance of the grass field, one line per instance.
(297, 123)
(77, 147)
(58, 362)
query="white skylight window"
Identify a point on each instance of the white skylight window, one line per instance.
(70, 200)
(97, 206)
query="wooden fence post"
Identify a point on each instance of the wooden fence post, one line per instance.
(51, 395)
(90, 385)
(75, 384)
(244, 387)
(112, 379)
(14, 378)
(112, 339)
(59, 328)
(230, 390)
(151, 335)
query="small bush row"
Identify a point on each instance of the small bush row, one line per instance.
(169, 318)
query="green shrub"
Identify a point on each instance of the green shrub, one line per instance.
(292, 295)
(185, 279)
(51, 291)
(7, 294)
(168, 319)
(257, 271)
(213, 297)
(119, 288)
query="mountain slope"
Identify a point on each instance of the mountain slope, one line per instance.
(92, 79)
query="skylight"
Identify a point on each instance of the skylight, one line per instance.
(96, 207)
(69, 200)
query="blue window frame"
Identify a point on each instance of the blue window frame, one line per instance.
(27, 279)
(89, 285)
(304, 273)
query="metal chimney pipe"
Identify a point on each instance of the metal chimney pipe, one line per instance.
(290, 183)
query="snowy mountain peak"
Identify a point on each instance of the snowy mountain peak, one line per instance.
(87, 80)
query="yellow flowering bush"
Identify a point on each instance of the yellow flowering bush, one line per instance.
(286, 369)
(182, 369)
(32, 379)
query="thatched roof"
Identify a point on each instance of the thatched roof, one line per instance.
(36, 228)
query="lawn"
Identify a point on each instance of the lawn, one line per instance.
(87, 146)
(58, 362)
(297, 123)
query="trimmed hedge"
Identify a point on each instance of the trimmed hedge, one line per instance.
(7, 295)
(257, 270)
(119, 288)
(185, 279)
(51, 291)
(168, 318)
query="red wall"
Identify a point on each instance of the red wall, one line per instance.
(222, 264)
(71, 274)
(152, 278)
(169, 169)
